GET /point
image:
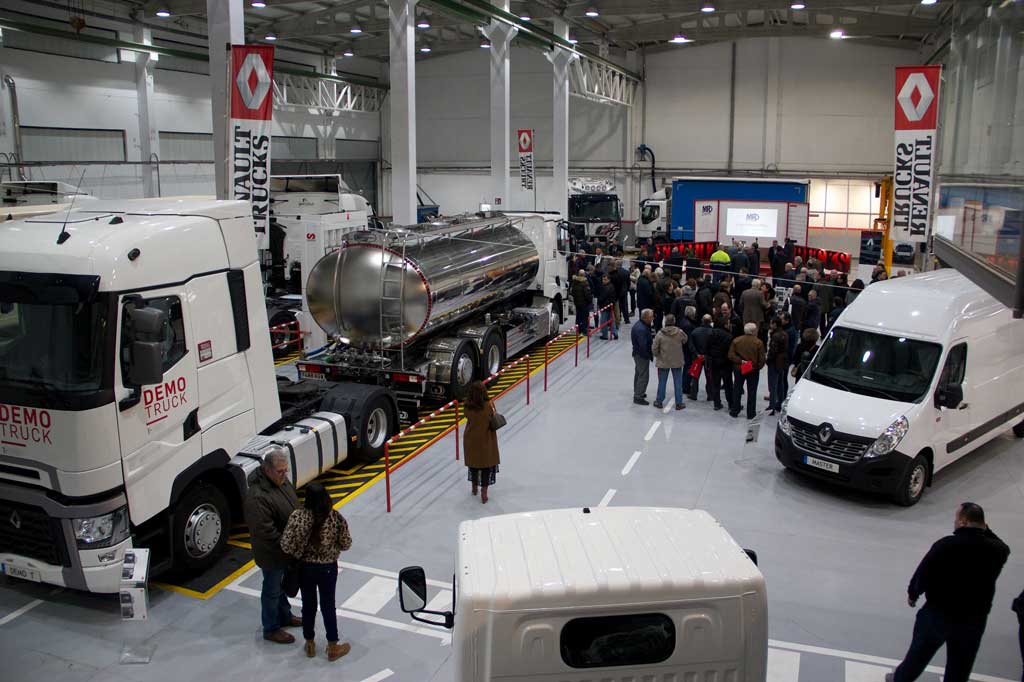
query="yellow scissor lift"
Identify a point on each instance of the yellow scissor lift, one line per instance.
(884, 220)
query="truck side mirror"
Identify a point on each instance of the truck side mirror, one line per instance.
(752, 554)
(147, 363)
(146, 321)
(412, 589)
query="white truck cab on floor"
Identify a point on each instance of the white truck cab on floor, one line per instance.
(612, 593)
(915, 374)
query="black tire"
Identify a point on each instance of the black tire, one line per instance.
(379, 423)
(913, 483)
(280, 337)
(492, 356)
(1018, 430)
(202, 521)
(464, 369)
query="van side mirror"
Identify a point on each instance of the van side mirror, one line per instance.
(412, 589)
(951, 396)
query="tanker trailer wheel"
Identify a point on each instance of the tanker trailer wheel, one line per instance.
(464, 364)
(202, 519)
(279, 338)
(493, 355)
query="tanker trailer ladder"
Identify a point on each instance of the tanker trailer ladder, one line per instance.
(390, 322)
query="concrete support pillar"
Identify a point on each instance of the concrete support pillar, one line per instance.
(225, 27)
(633, 190)
(149, 140)
(501, 36)
(1008, 51)
(772, 133)
(402, 15)
(560, 60)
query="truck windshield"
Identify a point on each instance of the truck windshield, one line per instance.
(650, 213)
(590, 208)
(877, 365)
(55, 355)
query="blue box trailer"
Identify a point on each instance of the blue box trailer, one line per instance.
(685, 191)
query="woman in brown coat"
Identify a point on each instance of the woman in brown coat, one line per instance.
(480, 443)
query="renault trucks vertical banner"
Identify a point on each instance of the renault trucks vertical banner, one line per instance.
(526, 178)
(917, 113)
(252, 110)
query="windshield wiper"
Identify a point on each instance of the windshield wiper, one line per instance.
(884, 394)
(818, 375)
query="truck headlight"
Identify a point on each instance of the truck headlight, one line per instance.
(889, 439)
(101, 531)
(784, 419)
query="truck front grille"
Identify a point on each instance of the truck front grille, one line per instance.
(842, 447)
(30, 532)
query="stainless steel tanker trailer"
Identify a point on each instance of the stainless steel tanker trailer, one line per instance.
(426, 309)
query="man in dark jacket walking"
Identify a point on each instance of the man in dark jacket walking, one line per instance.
(746, 349)
(607, 297)
(642, 336)
(699, 343)
(958, 578)
(582, 296)
(705, 297)
(268, 504)
(812, 316)
(798, 307)
(719, 342)
(645, 291)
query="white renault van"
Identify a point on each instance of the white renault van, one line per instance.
(615, 594)
(915, 374)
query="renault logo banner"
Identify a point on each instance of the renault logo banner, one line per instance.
(917, 107)
(252, 110)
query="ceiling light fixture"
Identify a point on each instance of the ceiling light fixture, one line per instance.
(708, 8)
(348, 53)
(486, 44)
(423, 22)
(592, 12)
(524, 17)
(271, 37)
(837, 34)
(797, 5)
(572, 41)
(929, 2)
(425, 49)
(355, 29)
(258, 4)
(163, 13)
(680, 39)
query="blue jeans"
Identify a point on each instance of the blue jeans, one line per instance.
(777, 387)
(322, 579)
(276, 612)
(607, 315)
(677, 381)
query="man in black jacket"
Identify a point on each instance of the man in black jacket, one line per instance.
(268, 504)
(642, 336)
(607, 297)
(721, 368)
(798, 307)
(958, 578)
(699, 340)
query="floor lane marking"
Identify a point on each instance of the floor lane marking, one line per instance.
(652, 430)
(382, 675)
(20, 612)
(669, 405)
(372, 596)
(783, 666)
(863, 672)
(632, 460)
(607, 497)
(387, 574)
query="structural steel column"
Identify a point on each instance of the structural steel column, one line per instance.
(149, 140)
(225, 27)
(500, 36)
(402, 14)
(560, 59)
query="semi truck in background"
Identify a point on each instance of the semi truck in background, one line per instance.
(137, 384)
(605, 593)
(595, 211)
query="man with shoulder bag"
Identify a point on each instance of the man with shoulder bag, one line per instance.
(268, 505)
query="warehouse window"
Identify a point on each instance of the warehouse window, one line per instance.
(172, 63)
(282, 147)
(186, 146)
(72, 144)
(632, 639)
(843, 204)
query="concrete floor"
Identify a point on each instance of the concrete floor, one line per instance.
(836, 563)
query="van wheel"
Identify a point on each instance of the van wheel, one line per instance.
(202, 519)
(1018, 430)
(914, 482)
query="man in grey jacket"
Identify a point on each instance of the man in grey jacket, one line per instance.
(270, 501)
(668, 358)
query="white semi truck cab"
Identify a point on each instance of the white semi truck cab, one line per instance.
(138, 389)
(612, 593)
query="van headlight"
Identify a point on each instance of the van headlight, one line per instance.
(784, 419)
(101, 531)
(889, 439)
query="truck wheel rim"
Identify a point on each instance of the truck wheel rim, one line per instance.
(377, 428)
(917, 477)
(464, 370)
(202, 530)
(493, 360)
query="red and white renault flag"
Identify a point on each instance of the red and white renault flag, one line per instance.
(525, 140)
(252, 111)
(917, 113)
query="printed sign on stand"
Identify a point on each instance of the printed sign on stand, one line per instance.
(917, 108)
(252, 108)
(525, 140)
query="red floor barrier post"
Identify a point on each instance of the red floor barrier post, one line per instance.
(546, 367)
(456, 430)
(528, 379)
(577, 345)
(387, 473)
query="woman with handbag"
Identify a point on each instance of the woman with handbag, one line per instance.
(480, 439)
(315, 535)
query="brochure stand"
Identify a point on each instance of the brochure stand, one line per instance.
(134, 598)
